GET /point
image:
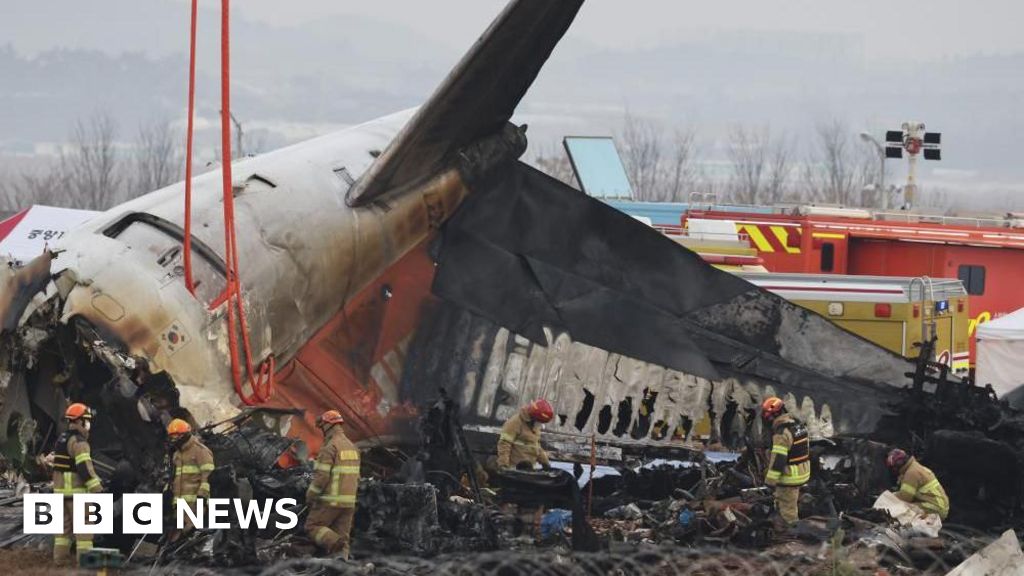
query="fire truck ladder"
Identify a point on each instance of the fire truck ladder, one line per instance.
(929, 329)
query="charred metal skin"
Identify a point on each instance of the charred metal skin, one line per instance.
(19, 287)
(302, 250)
(316, 223)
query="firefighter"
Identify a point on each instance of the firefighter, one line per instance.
(192, 462)
(331, 496)
(519, 443)
(918, 484)
(789, 462)
(73, 473)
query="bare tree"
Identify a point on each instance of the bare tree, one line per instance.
(660, 169)
(681, 171)
(935, 198)
(45, 186)
(748, 153)
(89, 165)
(707, 188)
(553, 161)
(641, 151)
(780, 169)
(838, 168)
(157, 159)
(90, 172)
(761, 165)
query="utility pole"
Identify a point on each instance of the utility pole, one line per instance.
(238, 152)
(238, 136)
(914, 140)
(867, 137)
(912, 132)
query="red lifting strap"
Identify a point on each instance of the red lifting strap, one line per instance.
(189, 282)
(261, 379)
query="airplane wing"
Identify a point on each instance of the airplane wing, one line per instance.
(475, 100)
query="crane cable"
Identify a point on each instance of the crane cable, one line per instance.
(261, 378)
(189, 282)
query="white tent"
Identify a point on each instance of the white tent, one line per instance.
(1000, 347)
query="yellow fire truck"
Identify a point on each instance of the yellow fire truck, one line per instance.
(889, 311)
(892, 312)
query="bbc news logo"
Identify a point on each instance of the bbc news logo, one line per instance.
(143, 513)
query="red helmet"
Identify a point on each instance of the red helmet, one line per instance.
(540, 410)
(330, 417)
(771, 408)
(78, 410)
(896, 459)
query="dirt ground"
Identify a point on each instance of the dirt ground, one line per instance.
(31, 563)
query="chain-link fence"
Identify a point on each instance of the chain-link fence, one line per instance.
(868, 554)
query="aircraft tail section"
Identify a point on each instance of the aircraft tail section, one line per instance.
(477, 98)
(542, 260)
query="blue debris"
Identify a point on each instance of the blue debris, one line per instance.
(554, 522)
(686, 517)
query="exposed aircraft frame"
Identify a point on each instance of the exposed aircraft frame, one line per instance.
(333, 229)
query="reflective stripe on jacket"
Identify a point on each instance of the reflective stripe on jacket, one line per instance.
(336, 472)
(192, 463)
(789, 462)
(73, 472)
(520, 442)
(919, 485)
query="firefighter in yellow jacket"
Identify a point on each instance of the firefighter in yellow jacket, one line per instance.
(789, 462)
(331, 496)
(192, 462)
(73, 473)
(519, 443)
(918, 484)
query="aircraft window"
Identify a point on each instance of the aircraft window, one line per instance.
(163, 240)
(973, 278)
(828, 256)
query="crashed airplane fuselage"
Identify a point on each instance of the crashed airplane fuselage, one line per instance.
(106, 317)
(117, 291)
(336, 263)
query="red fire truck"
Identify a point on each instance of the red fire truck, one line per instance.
(986, 254)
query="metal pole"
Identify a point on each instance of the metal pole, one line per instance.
(909, 195)
(593, 465)
(135, 549)
(881, 177)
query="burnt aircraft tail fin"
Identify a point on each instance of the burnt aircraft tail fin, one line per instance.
(477, 98)
(542, 260)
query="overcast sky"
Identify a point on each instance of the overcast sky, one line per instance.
(309, 66)
(919, 29)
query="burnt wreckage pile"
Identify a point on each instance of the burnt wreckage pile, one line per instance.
(428, 498)
(640, 296)
(653, 510)
(655, 502)
(700, 507)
